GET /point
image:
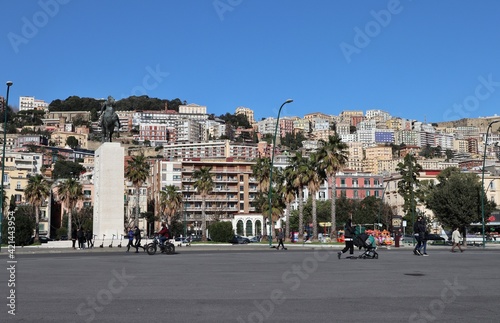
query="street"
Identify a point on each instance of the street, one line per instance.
(254, 284)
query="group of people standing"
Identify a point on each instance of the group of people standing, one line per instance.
(82, 236)
(132, 234)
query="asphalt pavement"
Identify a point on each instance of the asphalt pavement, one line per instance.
(250, 283)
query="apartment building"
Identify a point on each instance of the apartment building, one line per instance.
(248, 113)
(30, 103)
(211, 149)
(358, 185)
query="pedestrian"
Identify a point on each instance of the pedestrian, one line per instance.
(130, 235)
(419, 233)
(74, 236)
(349, 239)
(280, 238)
(137, 236)
(81, 238)
(90, 242)
(456, 237)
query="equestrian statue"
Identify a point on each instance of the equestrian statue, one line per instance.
(109, 119)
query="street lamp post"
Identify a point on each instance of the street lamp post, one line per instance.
(482, 177)
(270, 193)
(9, 84)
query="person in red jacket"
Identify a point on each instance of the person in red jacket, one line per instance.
(164, 234)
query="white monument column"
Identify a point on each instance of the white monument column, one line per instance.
(108, 189)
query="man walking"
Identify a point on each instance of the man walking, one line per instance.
(349, 237)
(280, 240)
(419, 233)
(455, 238)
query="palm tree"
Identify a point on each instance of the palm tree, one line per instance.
(137, 171)
(289, 193)
(298, 174)
(333, 157)
(203, 184)
(315, 176)
(170, 201)
(69, 191)
(37, 190)
(261, 171)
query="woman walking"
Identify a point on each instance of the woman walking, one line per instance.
(455, 238)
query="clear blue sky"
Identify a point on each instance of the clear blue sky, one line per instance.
(438, 60)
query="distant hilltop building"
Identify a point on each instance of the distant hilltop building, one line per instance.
(30, 103)
(247, 113)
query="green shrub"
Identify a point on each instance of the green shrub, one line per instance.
(221, 231)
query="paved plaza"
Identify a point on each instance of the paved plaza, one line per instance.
(252, 284)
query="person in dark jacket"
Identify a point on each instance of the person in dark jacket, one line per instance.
(349, 239)
(280, 238)
(164, 234)
(419, 232)
(73, 237)
(137, 236)
(88, 236)
(81, 238)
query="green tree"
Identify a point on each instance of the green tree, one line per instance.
(37, 190)
(25, 225)
(137, 172)
(69, 191)
(456, 200)
(315, 175)
(66, 169)
(296, 171)
(170, 202)
(221, 231)
(204, 185)
(72, 142)
(333, 156)
(409, 184)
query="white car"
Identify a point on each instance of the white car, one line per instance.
(180, 242)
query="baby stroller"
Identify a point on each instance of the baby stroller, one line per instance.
(367, 242)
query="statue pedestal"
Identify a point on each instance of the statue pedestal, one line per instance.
(108, 189)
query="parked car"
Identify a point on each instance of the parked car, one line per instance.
(180, 242)
(44, 239)
(239, 240)
(254, 239)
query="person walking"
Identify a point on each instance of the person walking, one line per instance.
(73, 237)
(130, 236)
(349, 239)
(419, 233)
(280, 238)
(424, 239)
(90, 242)
(137, 236)
(456, 237)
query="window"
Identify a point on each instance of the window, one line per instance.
(367, 182)
(342, 182)
(355, 183)
(241, 196)
(18, 185)
(355, 194)
(377, 194)
(367, 193)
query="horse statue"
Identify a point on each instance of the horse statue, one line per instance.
(109, 119)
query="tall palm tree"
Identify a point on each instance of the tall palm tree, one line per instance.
(170, 201)
(70, 191)
(315, 176)
(261, 170)
(137, 171)
(298, 174)
(289, 193)
(37, 190)
(204, 185)
(333, 157)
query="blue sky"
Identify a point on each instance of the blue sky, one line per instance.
(423, 60)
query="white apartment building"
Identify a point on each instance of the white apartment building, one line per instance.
(192, 109)
(30, 103)
(211, 149)
(267, 126)
(343, 128)
(378, 115)
(367, 125)
(366, 136)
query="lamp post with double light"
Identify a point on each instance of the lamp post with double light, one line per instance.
(9, 84)
(482, 177)
(270, 193)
